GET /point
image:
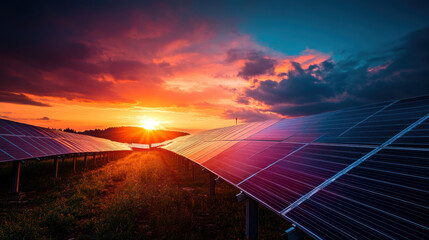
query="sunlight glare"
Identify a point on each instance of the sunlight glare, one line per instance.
(149, 124)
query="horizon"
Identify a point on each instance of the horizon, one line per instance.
(192, 131)
(193, 66)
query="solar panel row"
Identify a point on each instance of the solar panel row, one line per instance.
(360, 181)
(21, 141)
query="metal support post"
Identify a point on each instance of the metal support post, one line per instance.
(84, 161)
(16, 173)
(251, 219)
(74, 163)
(55, 170)
(193, 171)
(186, 165)
(212, 183)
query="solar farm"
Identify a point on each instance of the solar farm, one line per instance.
(357, 173)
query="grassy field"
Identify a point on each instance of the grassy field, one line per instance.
(146, 195)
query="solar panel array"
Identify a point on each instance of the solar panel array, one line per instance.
(20, 141)
(359, 173)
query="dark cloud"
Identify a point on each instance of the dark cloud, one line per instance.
(312, 108)
(249, 115)
(88, 50)
(255, 62)
(235, 54)
(242, 99)
(44, 119)
(20, 99)
(302, 86)
(398, 72)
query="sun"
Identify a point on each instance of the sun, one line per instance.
(149, 124)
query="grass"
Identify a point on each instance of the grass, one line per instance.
(146, 195)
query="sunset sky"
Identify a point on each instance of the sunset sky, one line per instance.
(193, 65)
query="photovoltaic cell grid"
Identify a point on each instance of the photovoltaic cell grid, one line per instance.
(21, 141)
(358, 173)
(385, 197)
(290, 178)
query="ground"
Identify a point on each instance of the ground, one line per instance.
(145, 195)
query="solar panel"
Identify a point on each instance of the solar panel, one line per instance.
(416, 138)
(385, 124)
(295, 175)
(243, 131)
(21, 141)
(359, 173)
(27, 147)
(38, 144)
(232, 164)
(310, 128)
(385, 197)
(12, 150)
(207, 154)
(200, 154)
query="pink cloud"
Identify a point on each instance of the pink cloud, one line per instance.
(152, 57)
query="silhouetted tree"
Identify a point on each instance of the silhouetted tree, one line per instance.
(70, 130)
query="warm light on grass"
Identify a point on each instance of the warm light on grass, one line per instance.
(145, 195)
(149, 124)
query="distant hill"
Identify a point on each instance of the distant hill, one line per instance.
(134, 134)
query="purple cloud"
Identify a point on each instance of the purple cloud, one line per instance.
(255, 62)
(19, 98)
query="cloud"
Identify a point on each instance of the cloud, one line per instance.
(123, 52)
(255, 62)
(296, 110)
(398, 72)
(19, 98)
(302, 86)
(44, 119)
(249, 115)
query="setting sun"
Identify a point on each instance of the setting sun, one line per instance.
(149, 124)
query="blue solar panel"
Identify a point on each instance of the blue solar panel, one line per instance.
(416, 138)
(317, 127)
(386, 197)
(289, 179)
(385, 124)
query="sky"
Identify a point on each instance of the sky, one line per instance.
(195, 65)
